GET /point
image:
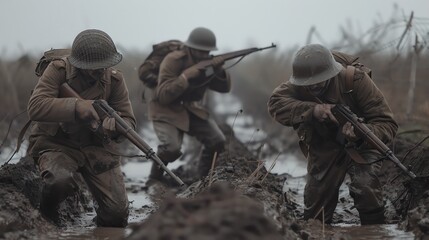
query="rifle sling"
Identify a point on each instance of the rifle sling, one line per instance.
(350, 72)
(355, 155)
(19, 140)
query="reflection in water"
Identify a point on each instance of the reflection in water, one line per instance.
(383, 231)
(94, 233)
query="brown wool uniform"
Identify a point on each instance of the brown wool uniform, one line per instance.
(175, 108)
(63, 147)
(327, 160)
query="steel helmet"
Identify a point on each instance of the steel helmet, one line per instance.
(313, 64)
(93, 49)
(201, 39)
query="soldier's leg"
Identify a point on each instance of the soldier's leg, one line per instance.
(321, 196)
(57, 171)
(210, 135)
(365, 188)
(108, 189)
(170, 139)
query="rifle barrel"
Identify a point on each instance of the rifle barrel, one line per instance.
(132, 135)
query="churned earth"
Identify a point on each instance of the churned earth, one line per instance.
(240, 199)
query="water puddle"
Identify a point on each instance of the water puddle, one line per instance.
(345, 212)
(382, 231)
(88, 233)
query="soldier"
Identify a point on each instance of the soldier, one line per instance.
(318, 78)
(63, 142)
(175, 107)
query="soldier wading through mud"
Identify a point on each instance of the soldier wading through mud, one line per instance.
(175, 108)
(63, 142)
(318, 78)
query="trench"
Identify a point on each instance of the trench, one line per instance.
(346, 221)
(346, 217)
(144, 201)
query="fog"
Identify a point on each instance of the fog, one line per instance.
(34, 26)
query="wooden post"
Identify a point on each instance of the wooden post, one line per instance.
(411, 91)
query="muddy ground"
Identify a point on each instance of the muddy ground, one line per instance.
(239, 201)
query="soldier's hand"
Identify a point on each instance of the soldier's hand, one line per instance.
(109, 126)
(85, 111)
(349, 132)
(322, 113)
(218, 63)
(191, 72)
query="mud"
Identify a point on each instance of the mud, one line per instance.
(19, 188)
(238, 200)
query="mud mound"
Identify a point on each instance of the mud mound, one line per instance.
(20, 186)
(254, 209)
(19, 191)
(399, 188)
(218, 213)
(410, 197)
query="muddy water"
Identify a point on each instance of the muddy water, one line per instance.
(88, 233)
(384, 231)
(345, 220)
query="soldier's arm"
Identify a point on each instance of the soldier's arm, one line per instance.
(287, 109)
(221, 82)
(376, 111)
(171, 83)
(44, 104)
(119, 98)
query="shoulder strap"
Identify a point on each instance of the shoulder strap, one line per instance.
(350, 72)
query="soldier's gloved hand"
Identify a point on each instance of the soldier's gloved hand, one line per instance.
(109, 126)
(349, 132)
(191, 72)
(218, 63)
(322, 113)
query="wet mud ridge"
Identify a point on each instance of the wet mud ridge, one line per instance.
(19, 189)
(238, 200)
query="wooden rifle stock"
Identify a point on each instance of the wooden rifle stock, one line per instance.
(101, 106)
(343, 114)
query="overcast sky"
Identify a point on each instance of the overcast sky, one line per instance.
(37, 25)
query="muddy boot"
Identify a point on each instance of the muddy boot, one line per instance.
(373, 217)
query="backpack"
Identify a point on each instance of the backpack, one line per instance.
(48, 57)
(149, 69)
(351, 63)
(59, 54)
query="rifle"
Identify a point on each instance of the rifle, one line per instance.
(207, 63)
(343, 114)
(231, 55)
(104, 109)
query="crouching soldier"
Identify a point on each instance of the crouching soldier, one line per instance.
(304, 102)
(63, 142)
